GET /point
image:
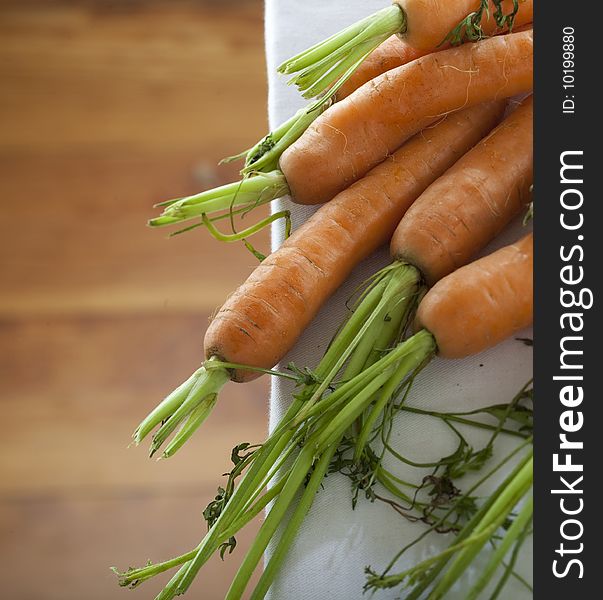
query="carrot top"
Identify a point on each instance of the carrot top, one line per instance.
(225, 202)
(470, 28)
(336, 58)
(264, 155)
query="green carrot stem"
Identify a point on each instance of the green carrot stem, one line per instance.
(349, 331)
(134, 577)
(166, 407)
(468, 529)
(390, 370)
(194, 420)
(388, 480)
(425, 565)
(339, 397)
(364, 425)
(462, 421)
(423, 351)
(169, 591)
(253, 478)
(228, 522)
(293, 525)
(265, 155)
(474, 520)
(391, 487)
(393, 326)
(202, 394)
(371, 348)
(293, 443)
(233, 212)
(328, 431)
(241, 235)
(355, 403)
(509, 568)
(323, 76)
(295, 479)
(324, 63)
(399, 283)
(253, 481)
(250, 191)
(191, 403)
(322, 49)
(493, 518)
(513, 533)
(380, 325)
(326, 436)
(388, 314)
(218, 364)
(417, 348)
(469, 540)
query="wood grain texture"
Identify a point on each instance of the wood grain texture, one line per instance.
(142, 75)
(107, 107)
(75, 238)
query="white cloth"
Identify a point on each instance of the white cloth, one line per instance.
(336, 543)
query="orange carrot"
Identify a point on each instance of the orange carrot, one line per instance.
(395, 52)
(468, 206)
(356, 134)
(482, 303)
(262, 320)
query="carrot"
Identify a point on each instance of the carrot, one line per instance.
(395, 52)
(424, 25)
(482, 303)
(261, 321)
(359, 132)
(467, 207)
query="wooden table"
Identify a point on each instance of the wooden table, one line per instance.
(107, 107)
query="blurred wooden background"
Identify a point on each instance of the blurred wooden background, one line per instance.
(107, 107)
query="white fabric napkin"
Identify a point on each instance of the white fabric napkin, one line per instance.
(336, 543)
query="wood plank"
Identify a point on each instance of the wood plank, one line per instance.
(61, 549)
(105, 111)
(76, 240)
(73, 390)
(74, 499)
(158, 75)
(106, 108)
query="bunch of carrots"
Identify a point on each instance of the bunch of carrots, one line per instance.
(416, 137)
